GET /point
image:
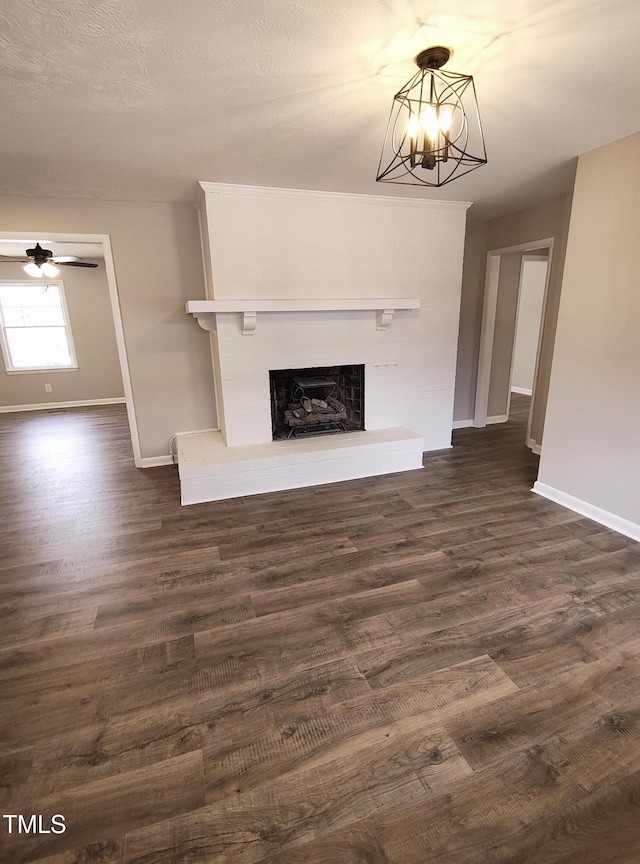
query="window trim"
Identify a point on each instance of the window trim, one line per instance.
(9, 368)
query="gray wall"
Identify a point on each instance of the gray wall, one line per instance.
(475, 259)
(158, 264)
(591, 448)
(98, 374)
(538, 223)
(535, 223)
(503, 335)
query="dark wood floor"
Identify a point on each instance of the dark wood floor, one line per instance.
(435, 667)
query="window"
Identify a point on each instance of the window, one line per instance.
(35, 327)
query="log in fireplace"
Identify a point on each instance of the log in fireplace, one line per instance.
(317, 401)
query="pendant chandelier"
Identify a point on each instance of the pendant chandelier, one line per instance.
(434, 133)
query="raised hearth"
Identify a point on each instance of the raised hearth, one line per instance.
(211, 471)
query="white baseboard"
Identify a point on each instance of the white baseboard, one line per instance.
(155, 461)
(461, 424)
(523, 391)
(603, 517)
(49, 406)
(497, 418)
(534, 446)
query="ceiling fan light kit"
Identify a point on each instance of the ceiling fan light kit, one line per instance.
(434, 134)
(32, 269)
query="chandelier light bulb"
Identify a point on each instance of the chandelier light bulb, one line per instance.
(430, 122)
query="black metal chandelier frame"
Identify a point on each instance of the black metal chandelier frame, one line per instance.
(434, 134)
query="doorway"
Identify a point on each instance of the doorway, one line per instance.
(514, 313)
(101, 243)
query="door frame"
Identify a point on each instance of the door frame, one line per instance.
(105, 241)
(487, 331)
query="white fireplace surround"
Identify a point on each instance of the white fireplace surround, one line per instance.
(242, 459)
(306, 340)
(296, 280)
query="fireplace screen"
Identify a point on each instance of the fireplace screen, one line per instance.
(318, 401)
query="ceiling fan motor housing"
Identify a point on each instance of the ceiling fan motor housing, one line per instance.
(39, 253)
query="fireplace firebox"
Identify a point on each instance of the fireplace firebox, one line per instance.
(316, 401)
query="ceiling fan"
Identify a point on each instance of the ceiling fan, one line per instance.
(41, 262)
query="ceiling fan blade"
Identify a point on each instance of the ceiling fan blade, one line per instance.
(6, 259)
(74, 263)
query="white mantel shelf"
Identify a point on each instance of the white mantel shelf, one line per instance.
(205, 310)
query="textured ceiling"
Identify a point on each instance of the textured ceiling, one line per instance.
(140, 99)
(17, 249)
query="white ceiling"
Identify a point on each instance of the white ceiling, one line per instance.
(18, 248)
(139, 100)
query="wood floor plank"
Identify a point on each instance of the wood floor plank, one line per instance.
(504, 635)
(510, 827)
(20, 629)
(225, 712)
(328, 583)
(358, 845)
(154, 674)
(600, 828)
(301, 741)
(127, 801)
(307, 636)
(588, 697)
(322, 797)
(199, 611)
(495, 804)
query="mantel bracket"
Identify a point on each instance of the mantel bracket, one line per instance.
(385, 317)
(249, 323)
(207, 320)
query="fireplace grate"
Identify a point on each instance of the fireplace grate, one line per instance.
(317, 429)
(313, 409)
(316, 400)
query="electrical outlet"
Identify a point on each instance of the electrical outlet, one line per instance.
(48, 388)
